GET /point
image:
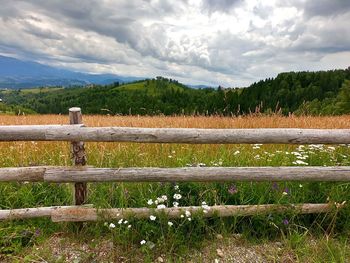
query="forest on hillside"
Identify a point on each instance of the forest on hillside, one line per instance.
(314, 93)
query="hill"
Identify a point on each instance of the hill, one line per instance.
(15, 73)
(322, 92)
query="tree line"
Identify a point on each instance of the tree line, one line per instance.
(315, 93)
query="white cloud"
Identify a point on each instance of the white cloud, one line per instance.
(231, 43)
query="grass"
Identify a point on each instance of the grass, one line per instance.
(329, 232)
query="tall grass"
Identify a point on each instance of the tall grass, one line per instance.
(181, 234)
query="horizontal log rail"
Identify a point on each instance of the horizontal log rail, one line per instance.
(87, 213)
(23, 213)
(173, 135)
(188, 174)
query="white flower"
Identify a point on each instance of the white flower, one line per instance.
(176, 187)
(300, 162)
(170, 223)
(120, 221)
(236, 152)
(143, 242)
(189, 219)
(160, 200)
(152, 217)
(150, 202)
(164, 197)
(182, 216)
(161, 206)
(285, 193)
(175, 204)
(129, 226)
(125, 222)
(111, 225)
(177, 196)
(300, 185)
(187, 213)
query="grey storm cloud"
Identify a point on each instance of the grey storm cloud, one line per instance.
(229, 42)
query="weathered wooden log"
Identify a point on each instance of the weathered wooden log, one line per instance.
(188, 174)
(23, 213)
(174, 135)
(79, 157)
(76, 214)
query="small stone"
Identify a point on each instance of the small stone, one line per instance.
(220, 253)
(160, 259)
(218, 236)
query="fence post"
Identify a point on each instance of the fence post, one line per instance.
(79, 157)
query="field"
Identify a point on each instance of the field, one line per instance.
(285, 238)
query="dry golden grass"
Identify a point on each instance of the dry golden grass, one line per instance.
(253, 121)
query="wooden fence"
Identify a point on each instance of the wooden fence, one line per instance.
(79, 174)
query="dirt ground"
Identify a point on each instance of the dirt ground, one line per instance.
(60, 248)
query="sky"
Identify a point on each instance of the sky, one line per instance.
(232, 43)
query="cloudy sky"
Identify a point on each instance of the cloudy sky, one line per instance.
(227, 42)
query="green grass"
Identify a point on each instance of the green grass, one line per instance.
(184, 235)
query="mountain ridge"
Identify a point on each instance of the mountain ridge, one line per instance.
(16, 73)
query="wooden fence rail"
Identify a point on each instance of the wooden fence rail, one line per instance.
(79, 132)
(189, 174)
(79, 174)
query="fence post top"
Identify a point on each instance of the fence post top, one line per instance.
(74, 109)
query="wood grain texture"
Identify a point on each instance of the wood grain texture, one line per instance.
(78, 156)
(174, 135)
(23, 213)
(188, 174)
(77, 214)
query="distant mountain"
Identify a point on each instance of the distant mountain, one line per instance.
(15, 73)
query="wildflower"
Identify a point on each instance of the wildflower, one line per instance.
(164, 197)
(143, 242)
(182, 216)
(236, 152)
(175, 204)
(331, 148)
(201, 165)
(152, 217)
(161, 206)
(150, 202)
(286, 191)
(176, 187)
(111, 225)
(37, 232)
(275, 186)
(177, 196)
(170, 156)
(300, 162)
(300, 185)
(187, 213)
(160, 200)
(170, 223)
(120, 221)
(233, 189)
(129, 226)
(189, 219)
(285, 222)
(125, 222)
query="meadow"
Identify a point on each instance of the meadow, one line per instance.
(304, 238)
